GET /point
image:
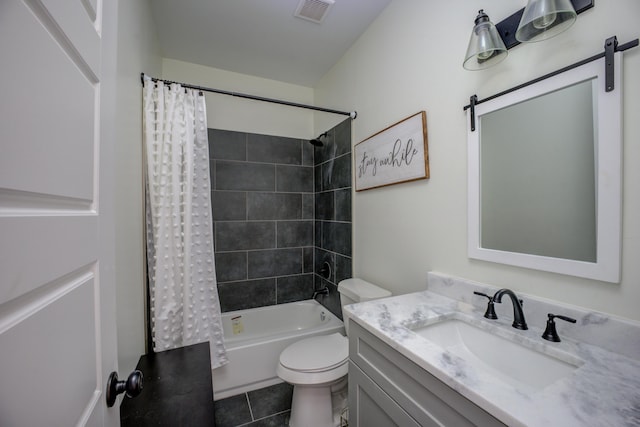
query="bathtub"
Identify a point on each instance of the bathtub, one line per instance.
(255, 338)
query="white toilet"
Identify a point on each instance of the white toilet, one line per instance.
(317, 367)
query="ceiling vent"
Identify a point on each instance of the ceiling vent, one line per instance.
(313, 10)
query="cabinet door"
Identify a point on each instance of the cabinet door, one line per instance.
(372, 407)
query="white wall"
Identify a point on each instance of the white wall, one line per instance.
(409, 60)
(137, 52)
(243, 115)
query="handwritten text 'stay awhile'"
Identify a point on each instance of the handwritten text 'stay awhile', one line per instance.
(401, 155)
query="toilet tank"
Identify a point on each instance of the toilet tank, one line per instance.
(357, 290)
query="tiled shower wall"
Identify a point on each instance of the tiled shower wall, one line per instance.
(333, 212)
(266, 208)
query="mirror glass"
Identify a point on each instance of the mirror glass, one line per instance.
(545, 176)
(524, 209)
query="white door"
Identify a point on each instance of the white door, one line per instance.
(57, 292)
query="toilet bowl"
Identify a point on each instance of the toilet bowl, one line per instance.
(317, 367)
(314, 366)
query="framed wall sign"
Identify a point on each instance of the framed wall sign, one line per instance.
(396, 154)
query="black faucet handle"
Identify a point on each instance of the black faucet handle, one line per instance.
(483, 295)
(491, 312)
(565, 318)
(550, 333)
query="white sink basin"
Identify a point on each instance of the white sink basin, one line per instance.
(505, 360)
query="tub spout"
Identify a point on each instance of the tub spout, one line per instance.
(323, 291)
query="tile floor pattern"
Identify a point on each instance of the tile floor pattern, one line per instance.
(266, 407)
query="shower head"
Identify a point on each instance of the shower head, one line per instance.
(317, 142)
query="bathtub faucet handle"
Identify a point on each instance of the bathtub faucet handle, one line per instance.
(325, 271)
(323, 291)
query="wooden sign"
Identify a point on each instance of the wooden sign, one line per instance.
(397, 154)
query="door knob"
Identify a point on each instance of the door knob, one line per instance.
(132, 386)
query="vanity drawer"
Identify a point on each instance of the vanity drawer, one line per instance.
(424, 397)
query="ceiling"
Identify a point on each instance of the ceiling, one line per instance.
(261, 37)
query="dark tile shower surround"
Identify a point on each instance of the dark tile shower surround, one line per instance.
(281, 207)
(332, 230)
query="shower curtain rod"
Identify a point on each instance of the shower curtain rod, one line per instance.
(352, 114)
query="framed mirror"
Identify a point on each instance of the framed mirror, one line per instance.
(545, 175)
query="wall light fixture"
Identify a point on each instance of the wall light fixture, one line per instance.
(486, 48)
(539, 20)
(543, 19)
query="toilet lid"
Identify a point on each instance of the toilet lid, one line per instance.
(314, 354)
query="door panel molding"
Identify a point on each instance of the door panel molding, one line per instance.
(67, 23)
(58, 245)
(62, 342)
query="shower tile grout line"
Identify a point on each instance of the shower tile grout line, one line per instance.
(257, 162)
(272, 277)
(275, 220)
(335, 253)
(226, 190)
(334, 158)
(246, 395)
(263, 418)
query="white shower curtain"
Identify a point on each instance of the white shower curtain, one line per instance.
(185, 308)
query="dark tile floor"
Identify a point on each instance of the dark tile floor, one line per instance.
(266, 407)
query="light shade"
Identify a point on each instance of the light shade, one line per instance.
(486, 47)
(543, 19)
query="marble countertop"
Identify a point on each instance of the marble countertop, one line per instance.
(603, 391)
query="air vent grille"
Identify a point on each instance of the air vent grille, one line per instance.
(313, 10)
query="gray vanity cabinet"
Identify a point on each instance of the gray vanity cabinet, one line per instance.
(386, 389)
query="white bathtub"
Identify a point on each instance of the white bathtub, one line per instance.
(260, 336)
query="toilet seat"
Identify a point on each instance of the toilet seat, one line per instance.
(316, 354)
(315, 361)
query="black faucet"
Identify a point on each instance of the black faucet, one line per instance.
(518, 315)
(323, 291)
